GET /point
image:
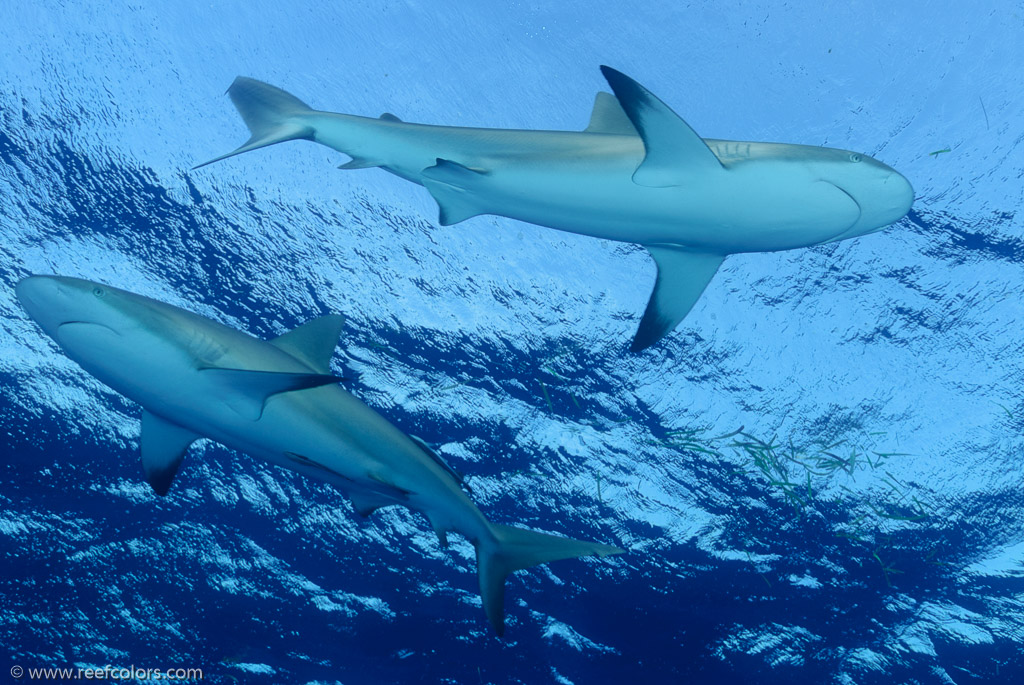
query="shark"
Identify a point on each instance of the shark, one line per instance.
(638, 173)
(277, 400)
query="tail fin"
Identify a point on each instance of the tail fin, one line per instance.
(269, 113)
(516, 549)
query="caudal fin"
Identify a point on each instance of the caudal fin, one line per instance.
(272, 115)
(516, 549)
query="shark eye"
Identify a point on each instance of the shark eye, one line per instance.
(99, 292)
(854, 157)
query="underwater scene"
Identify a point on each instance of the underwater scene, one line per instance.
(632, 342)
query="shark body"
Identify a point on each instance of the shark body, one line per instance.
(276, 400)
(638, 173)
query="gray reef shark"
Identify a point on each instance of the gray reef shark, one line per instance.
(638, 174)
(276, 400)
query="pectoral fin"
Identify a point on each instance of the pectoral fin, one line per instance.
(452, 186)
(675, 153)
(163, 447)
(248, 391)
(682, 277)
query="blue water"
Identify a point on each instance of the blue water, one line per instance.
(504, 344)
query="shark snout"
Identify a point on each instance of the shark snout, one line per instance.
(39, 295)
(892, 200)
(884, 198)
(50, 300)
(904, 194)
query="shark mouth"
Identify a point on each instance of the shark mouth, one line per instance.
(61, 325)
(846, 232)
(83, 332)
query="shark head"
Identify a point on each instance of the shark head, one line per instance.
(144, 348)
(881, 193)
(56, 302)
(104, 329)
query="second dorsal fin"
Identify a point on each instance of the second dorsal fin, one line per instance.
(609, 117)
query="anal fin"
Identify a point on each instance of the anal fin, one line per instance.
(163, 447)
(682, 277)
(365, 503)
(439, 530)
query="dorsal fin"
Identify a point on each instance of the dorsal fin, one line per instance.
(313, 342)
(306, 461)
(609, 117)
(388, 116)
(674, 151)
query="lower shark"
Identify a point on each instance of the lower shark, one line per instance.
(276, 400)
(638, 173)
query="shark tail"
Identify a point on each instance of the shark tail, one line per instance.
(512, 549)
(272, 115)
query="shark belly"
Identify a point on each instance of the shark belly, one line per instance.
(755, 211)
(583, 183)
(327, 434)
(305, 432)
(172, 386)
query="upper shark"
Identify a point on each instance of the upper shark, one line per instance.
(277, 400)
(638, 173)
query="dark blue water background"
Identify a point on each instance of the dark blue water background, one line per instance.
(505, 346)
